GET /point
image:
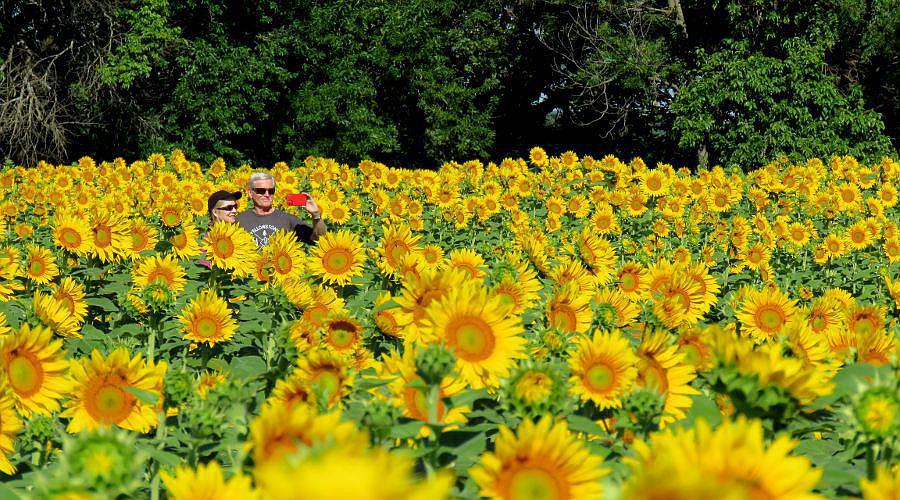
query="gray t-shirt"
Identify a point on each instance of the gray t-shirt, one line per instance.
(262, 227)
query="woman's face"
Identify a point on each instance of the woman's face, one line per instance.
(226, 210)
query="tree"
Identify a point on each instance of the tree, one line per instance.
(745, 108)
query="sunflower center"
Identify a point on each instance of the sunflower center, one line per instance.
(36, 268)
(770, 318)
(328, 383)
(111, 404)
(179, 241)
(25, 375)
(472, 337)
(628, 282)
(102, 237)
(342, 335)
(600, 378)
(224, 248)
(283, 263)
(337, 260)
(70, 238)
(564, 318)
(535, 484)
(206, 327)
(138, 241)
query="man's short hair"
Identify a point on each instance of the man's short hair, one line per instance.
(260, 176)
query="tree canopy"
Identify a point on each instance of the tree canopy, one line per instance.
(420, 82)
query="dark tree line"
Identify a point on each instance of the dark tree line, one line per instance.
(418, 82)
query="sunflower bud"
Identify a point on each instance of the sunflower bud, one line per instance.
(434, 363)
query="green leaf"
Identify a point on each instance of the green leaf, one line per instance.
(248, 367)
(7, 493)
(578, 423)
(407, 430)
(145, 397)
(103, 303)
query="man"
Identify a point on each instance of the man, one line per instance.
(262, 220)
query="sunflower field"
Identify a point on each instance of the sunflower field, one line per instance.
(548, 327)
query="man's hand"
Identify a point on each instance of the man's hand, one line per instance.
(312, 207)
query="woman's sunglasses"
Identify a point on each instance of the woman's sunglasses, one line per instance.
(264, 190)
(227, 208)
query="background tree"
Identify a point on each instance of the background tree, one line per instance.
(420, 82)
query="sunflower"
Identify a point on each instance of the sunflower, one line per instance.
(349, 471)
(408, 392)
(865, 320)
(160, 270)
(70, 293)
(678, 301)
(570, 271)
(56, 316)
(598, 254)
(433, 255)
(884, 486)
(72, 233)
(654, 183)
(707, 286)
(10, 425)
(471, 323)
(731, 462)
(767, 363)
(875, 347)
(336, 212)
(632, 280)
(184, 244)
(538, 157)
(390, 320)
(663, 368)
(209, 380)
(229, 247)
(34, 367)
(285, 254)
(337, 257)
(603, 368)
(110, 237)
(342, 333)
(419, 292)
(568, 310)
(616, 302)
(764, 313)
(279, 430)
(396, 242)
(101, 397)
(467, 260)
(541, 460)
(293, 390)
(328, 374)
(207, 319)
(206, 482)
(604, 221)
(143, 237)
(39, 265)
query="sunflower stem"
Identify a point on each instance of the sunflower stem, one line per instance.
(151, 342)
(434, 395)
(870, 463)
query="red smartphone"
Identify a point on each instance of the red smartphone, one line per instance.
(297, 200)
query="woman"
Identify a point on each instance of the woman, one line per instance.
(221, 206)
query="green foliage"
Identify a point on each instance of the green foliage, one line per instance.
(144, 46)
(748, 108)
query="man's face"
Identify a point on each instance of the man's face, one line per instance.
(262, 199)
